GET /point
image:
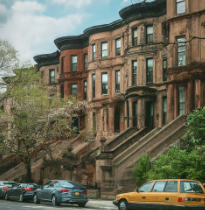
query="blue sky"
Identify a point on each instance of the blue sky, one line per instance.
(32, 25)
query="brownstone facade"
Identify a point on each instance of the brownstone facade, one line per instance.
(141, 71)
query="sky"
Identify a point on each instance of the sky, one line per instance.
(32, 25)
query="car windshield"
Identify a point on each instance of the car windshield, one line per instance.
(70, 184)
(190, 187)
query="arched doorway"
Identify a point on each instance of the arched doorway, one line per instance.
(117, 119)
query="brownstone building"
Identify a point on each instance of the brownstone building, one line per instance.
(141, 75)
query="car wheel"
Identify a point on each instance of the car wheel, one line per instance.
(6, 197)
(81, 204)
(35, 199)
(21, 197)
(54, 201)
(122, 205)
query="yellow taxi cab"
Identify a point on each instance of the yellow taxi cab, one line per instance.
(166, 194)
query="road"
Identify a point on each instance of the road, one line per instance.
(91, 205)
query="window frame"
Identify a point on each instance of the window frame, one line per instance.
(134, 39)
(180, 44)
(117, 49)
(93, 85)
(50, 77)
(104, 57)
(75, 95)
(85, 89)
(117, 81)
(134, 78)
(177, 4)
(85, 61)
(74, 64)
(149, 42)
(149, 71)
(94, 52)
(102, 89)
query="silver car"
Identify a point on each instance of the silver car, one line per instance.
(61, 191)
(4, 186)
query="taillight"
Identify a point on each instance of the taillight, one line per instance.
(29, 189)
(85, 192)
(65, 191)
(6, 188)
(180, 199)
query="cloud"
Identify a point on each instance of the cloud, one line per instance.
(73, 3)
(31, 32)
(3, 13)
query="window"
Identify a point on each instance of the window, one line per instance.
(134, 72)
(118, 47)
(164, 110)
(146, 187)
(117, 81)
(93, 51)
(180, 4)
(134, 37)
(74, 63)
(164, 70)
(128, 117)
(149, 70)
(149, 34)
(135, 115)
(171, 186)
(190, 187)
(52, 76)
(159, 186)
(62, 65)
(62, 91)
(181, 102)
(85, 90)
(93, 85)
(74, 90)
(85, 61)
(104, 83)
(181, 51)
(104, 50)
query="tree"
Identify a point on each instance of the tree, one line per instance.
(31, 117)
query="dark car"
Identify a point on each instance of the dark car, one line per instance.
(62, 191)
(21, 191)
(4, 186)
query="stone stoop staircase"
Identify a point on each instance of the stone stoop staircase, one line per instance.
(119, 168)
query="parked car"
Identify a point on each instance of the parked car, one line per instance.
(164, 194)
(62, 191)
(4, 186)
(21, 191)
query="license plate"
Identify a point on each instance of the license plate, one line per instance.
(76, 193)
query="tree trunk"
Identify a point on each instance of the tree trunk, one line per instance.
(28, 170)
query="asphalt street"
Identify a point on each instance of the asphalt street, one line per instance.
(91, 205)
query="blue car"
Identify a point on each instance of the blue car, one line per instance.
(4, 186)
(62, 191)
(21, 191)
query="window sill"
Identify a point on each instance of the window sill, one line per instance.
(105, 94)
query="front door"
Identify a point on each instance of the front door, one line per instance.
(75, 124)
(149, 121)
(117, 119)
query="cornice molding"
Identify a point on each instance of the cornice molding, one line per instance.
(47, 59)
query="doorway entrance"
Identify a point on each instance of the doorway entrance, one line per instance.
(149, 121)
(75, 124)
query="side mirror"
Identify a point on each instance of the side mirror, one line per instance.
(137, 189)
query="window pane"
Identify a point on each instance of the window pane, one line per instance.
(181, 7)
(104, 46)
(190, 187)
(93, 85)
(171, 186)
(104, 83)
(94, 48)
(117, 81)
(134, 33)
(146, 187)
(149, 70)
(85, 61)
(74, 89)
(134, 72)
(159, 186)
(74, 59)
(118, 43)
(150, 30)
(85, 90)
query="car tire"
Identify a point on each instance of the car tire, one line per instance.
(54, 201)
(122, 205)
(35, 199)
(6, 197)
(81, 204)
(21, 197)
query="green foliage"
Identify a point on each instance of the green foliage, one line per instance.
(142, 168)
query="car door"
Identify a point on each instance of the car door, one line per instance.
(49, 191)
(12, 192)
(140, 199)
(18, 190)
(43, 192)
